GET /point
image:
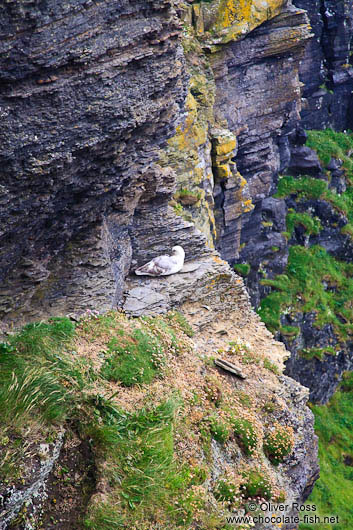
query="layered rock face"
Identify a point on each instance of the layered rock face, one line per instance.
(321, 372)
(259, 93)
(243, 104)
(89, 92)
(326, 70)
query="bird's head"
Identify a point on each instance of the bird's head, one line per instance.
(178, 251)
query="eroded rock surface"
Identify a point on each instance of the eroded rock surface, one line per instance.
(89, 92)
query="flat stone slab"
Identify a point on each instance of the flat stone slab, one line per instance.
(143, 300)
(229, 367)
(148, 295)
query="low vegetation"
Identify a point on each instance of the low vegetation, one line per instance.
(134, 358)
(312, 225)
(278, 443)
(245, 433)
(332, 144)
(151, 412)
(242, 268)
(34, 373)
(333, 493)
(314, 281)
(257, 485)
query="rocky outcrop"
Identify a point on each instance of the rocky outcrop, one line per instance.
(321, 375)
(83, 123)
(55, 483)
(33, 490)
(89, 92)
(244, 102)
(214, 300)
(327, 71)
(320, 352)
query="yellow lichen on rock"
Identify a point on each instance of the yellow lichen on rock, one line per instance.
(228, 20)
(203, 150)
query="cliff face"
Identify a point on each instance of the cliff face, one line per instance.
(244, 102)
(91, 467)
(89, 91)
(237, 142)
(326, 69)
(108, 109)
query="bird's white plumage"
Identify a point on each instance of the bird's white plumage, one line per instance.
(164, 265)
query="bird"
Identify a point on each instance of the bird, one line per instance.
(164, 265)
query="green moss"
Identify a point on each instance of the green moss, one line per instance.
(314, 282)
(242, 268)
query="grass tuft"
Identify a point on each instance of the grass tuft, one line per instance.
(134, 358)
(245, 434)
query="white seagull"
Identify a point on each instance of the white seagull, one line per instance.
(163, 265)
